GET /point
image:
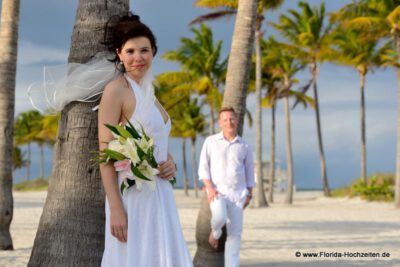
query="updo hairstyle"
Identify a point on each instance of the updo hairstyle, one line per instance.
(120, 28)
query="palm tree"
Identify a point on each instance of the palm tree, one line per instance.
(18, 159)
(24, 133)
(227, 8)
(45, 132)
(237, 80)
(71, 228)
(364, 55)
(202, 68)
(282, 66)
(309, 39)
(378, 18)
(194, 122)
(8, 66)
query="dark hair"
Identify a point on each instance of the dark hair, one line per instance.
(229, 109)
(120, 28)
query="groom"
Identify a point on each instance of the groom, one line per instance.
(226, 169)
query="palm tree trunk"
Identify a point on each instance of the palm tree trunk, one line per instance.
(184, 169)
(272, 160)
(237, 80)
(194, 169)
(71, 228)
(238, 74)
(363, 129)
(289, 153)
(28, 163)
(259, 200)
(8, 65)
(41, 161)
(212, 120)
(396, 34)
(206, 256)
(324, 176)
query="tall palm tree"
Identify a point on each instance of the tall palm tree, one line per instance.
(237, 80)
(379, 18)
(227, 8)
(308, 37)
(8, 66)
(45, 133)
(71, 228)
(364, 55)
(283, 66)
(18, 158)
(202, 66)
(23, 133)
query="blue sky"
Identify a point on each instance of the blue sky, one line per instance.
(44, 39)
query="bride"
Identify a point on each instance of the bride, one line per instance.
(142, 225)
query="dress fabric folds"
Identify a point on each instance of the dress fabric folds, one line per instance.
(155, 236)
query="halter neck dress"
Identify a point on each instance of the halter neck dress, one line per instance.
(155, 236)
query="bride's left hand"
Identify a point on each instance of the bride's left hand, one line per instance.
(167, 169)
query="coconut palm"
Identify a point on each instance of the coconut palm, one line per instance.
(364, 55)
(71, 228)
(18, 158)
(171, 97)
(227, 8)
(23, 129)
(237, 81)
(8, 65)
(308, 37)
(45, 132)
(193, 120)
(202, 67)
(378, 18)
(282, 66)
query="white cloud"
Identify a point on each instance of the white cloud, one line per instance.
(31, 53)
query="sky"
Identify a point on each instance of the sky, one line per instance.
(44, 39)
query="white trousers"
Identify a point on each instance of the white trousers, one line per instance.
(224, 211)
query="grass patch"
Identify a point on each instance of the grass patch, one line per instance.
(38, 184)
(379, 187)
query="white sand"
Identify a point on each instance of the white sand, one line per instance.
(271, 236)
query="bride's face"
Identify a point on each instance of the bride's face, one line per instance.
(137, 56)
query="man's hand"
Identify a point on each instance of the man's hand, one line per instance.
(247, 201)
(211, 194)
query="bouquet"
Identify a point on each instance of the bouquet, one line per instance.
(132, 153)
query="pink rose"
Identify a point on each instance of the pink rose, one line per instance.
(122, 165)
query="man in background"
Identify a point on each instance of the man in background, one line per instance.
(227, 171)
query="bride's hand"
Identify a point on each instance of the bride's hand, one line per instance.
(119, 225)
(167, 169)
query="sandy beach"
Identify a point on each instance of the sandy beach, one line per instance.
(314, 231)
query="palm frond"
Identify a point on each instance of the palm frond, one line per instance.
(213, 16)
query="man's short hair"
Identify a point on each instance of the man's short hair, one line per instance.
(229, 109)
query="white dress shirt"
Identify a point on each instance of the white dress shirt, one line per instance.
(229, 166)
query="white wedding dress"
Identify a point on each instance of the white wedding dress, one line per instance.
(155, 236)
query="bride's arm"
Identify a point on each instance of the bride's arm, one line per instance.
(110, 110)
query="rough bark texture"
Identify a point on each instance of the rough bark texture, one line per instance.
(289, 153)
(8, 67)
(259, 200)
(238, 74)
(71, 228)
(324, 175)
(272, 160)
(205, 254)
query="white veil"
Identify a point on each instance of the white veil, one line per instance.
(65, 83)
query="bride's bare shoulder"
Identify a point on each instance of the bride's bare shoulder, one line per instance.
(116, 88)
